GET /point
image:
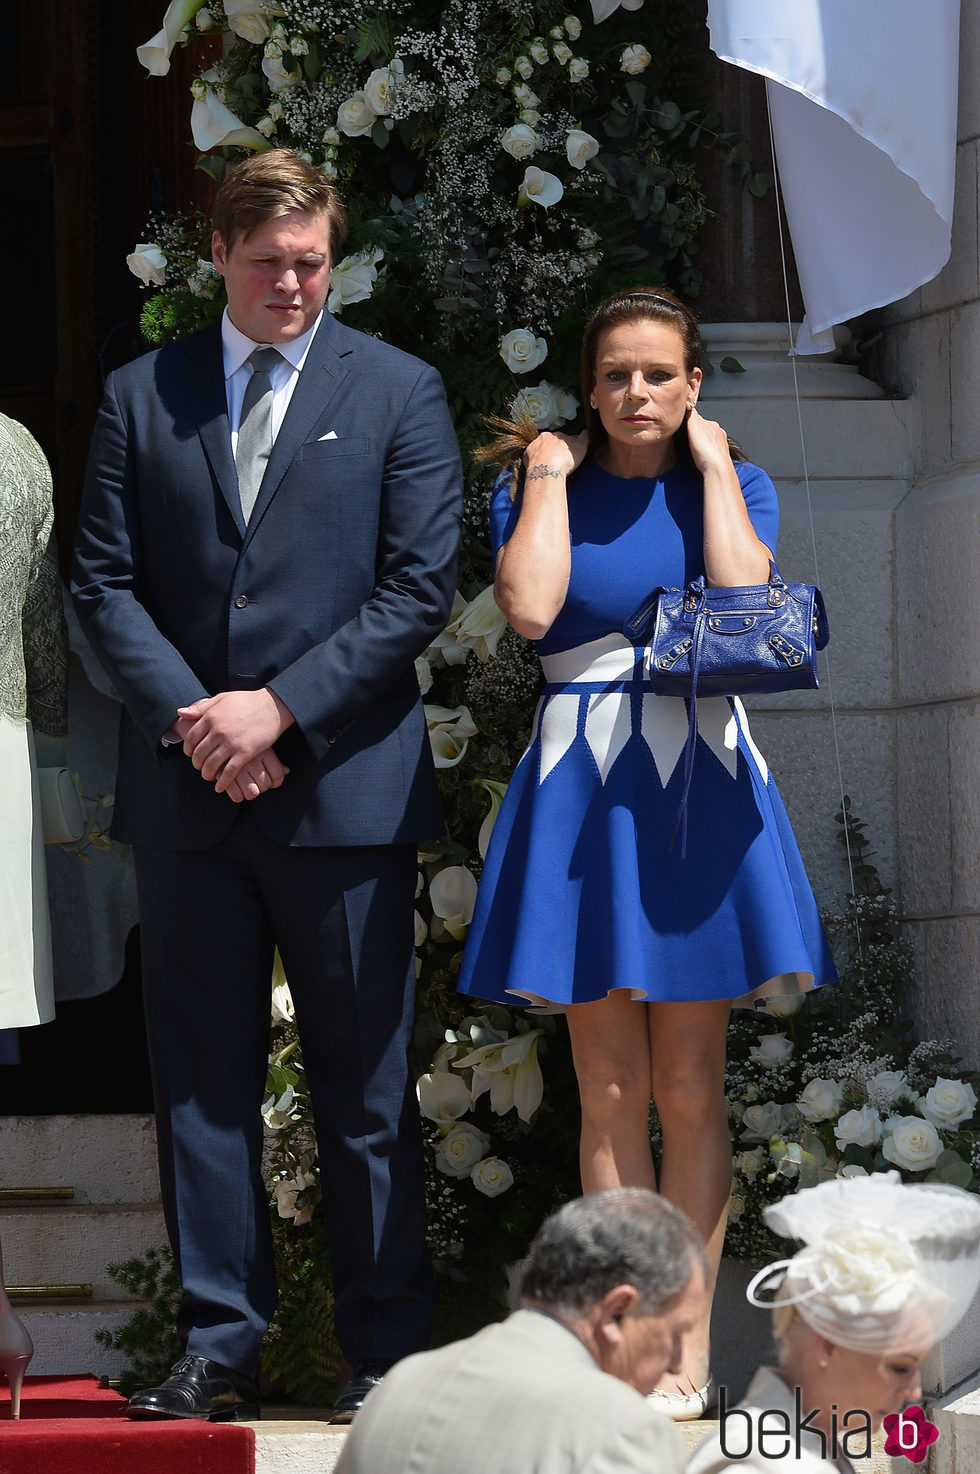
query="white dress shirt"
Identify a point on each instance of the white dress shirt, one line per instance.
(235, 349)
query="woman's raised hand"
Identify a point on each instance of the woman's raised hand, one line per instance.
(708, 441)
(554, 454)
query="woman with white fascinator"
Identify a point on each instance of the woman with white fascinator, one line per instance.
(886, 1270)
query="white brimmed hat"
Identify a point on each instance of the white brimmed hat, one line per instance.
(886, 1265)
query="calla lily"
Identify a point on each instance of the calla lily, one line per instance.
(450, 730)
(496, 791)
(443, 1097)
(453, 895)
(445, 648)
(543, 188)
(511, 1073)
(215, 126)
(479, 626)
(155, 53)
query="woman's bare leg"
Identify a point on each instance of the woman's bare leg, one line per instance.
(687, 1052)
(611, 1053)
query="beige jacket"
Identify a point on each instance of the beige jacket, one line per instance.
(521, 1397)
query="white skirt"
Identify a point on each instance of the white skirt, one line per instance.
(26, 976)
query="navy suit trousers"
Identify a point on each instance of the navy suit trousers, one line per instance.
(342, 920)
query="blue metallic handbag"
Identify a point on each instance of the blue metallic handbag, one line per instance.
(729, 642)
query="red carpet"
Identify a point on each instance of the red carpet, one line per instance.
(71, 1425)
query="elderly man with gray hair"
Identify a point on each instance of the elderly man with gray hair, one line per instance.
(612, 1283)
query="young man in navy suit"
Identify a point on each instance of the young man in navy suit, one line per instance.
(257, 569)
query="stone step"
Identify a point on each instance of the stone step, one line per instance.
(105, 1159)
(298, 1441)
(69, 1243)
(64, 1336)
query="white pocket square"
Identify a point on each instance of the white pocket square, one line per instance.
(330, 435)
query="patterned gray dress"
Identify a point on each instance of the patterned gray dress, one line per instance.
(33, 693)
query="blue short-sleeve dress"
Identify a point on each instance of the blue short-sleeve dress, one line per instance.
(581, 891)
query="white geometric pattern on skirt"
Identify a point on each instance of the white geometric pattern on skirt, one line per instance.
(608, 721)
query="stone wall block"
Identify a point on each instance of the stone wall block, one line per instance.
(924, 860)
(947, 988)
(964, 381)
(968, 119)
(860, 438)
(964, 804)
(958, 281)
(937, 535)
(801, 754)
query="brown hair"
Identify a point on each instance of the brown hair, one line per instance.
(270, 184)
(637, 304)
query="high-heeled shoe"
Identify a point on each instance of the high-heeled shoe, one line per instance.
(16, 1350)
(685, 1407)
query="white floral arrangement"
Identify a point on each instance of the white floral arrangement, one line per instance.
(834, 1086)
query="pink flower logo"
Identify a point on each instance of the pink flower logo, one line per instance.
(910, 1434)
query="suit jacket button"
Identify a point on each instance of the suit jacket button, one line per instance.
(241, 601)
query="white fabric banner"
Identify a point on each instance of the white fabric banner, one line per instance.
(863, 97)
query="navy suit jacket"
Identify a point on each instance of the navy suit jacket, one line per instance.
(344, 574)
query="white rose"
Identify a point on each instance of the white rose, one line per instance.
(566, 404)
(524, 96)
(331, 137)
(504, 75)
(452, 893)
(772, 1050)
(759, 1122)
(520, 141)
(911, 1143)
(523, 67)
(578, 69)
(247, 20)
(530, 116)
(287, 1190)
(949, 1103)
(539, 402)
(204, 20)
(749, 1163)
(580, 147)
(443, 1097)
(573, 26)
(860, 1127)
(492, 1177)
(562, 53)
(380, 87)
(635, 59)
(266, 126)
(820, 1100)
(736, 1207)
(539, 52)
(885, 1088)
(354, 117)
(458, 1152)
(521, 351)
(353, 279)
(278, 78)
(543, 188)
(148, 263)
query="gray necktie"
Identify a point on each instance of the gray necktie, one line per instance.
(255, 428)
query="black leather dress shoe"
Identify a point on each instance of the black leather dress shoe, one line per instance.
(198, 1388)
(367, 1375)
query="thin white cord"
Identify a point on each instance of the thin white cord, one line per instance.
(809, 504)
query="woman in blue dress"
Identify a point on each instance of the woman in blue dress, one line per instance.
(585, 906)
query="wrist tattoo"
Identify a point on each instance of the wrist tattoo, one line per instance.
(540, 470)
